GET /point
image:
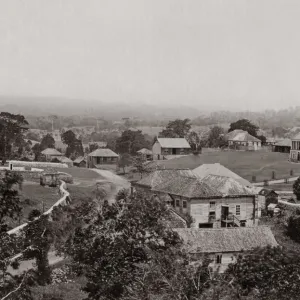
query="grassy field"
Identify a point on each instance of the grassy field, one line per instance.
(34, 196)
(253, 163)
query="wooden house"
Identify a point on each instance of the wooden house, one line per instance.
(295, 149)
(101, 157)
(223, 246)
(283, 146)
(242, 140)
(213, 201)
(80, 162)
(49, 154)
(163, 147)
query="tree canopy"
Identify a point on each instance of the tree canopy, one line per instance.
(75, 147)
(176, 129)
(47, 142)
(245, 125)
(131, 141)
(12, 128)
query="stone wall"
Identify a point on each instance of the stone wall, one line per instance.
(33, 176)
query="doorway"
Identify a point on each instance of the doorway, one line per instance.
(224, 212)
(173, 151)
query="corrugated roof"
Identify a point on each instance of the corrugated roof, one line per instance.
(103, 153)
(284, 143)
(218, 169)
(241, 136)
(226, 240)
(173, 143)
(145, 151)
(51, 151)
(209, 186)
(158, 177)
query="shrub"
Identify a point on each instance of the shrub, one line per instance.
(296, 188)
(34, 214)
(293, 226)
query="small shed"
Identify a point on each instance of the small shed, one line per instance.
(266, 197)
(283, 146)
(80, 162)
(145, 154)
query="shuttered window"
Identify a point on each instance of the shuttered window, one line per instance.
(238, 210)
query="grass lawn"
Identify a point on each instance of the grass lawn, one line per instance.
(253, 163)
(38, 196)
(80, 173)
(281, 186)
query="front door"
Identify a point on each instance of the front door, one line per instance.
(174, 151)
(298, 156)
(225, 212)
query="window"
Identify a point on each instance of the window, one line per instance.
(212, 204)
(177, 203)
(238, 210)
(219, 258)
(212, 216)
(184, 204)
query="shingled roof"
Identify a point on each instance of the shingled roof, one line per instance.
(103, 153)
(52, 152)
(241, 136)
(226, 240)
(145, 151)
(284, 143)
(210, 186)
(218, 169)
(173, 143)
(158, 177)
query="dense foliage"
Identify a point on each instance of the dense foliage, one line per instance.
(245, 125)
(75, 148)
(131, 141)
(296, 188)
(176, 129)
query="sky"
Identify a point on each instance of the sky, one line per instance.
(233, 54)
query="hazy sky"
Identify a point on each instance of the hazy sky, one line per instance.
(213, 53)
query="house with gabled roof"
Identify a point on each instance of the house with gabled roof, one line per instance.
(101, 157)
(164, 147)
(242, 140)
(51, 153)
(283, 146)
(223, 246)
(212, 201)
(295, 149)
(145, 154)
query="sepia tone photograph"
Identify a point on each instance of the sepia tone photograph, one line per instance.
(149, 150)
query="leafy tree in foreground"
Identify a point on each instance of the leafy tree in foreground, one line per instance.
(245, 125)
(127, 252)
(296, 188)
(268, 273)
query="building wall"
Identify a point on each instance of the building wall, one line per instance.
(246, 145)
(295, 155)
(97, 160)
(156, 150)
(200, 210)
